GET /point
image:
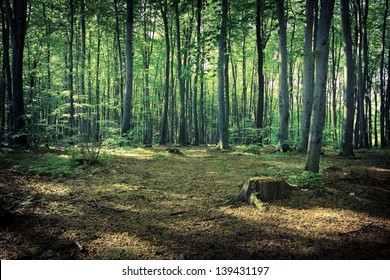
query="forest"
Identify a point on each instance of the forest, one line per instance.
(125, 126)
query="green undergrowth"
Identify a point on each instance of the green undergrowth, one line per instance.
(44, 164)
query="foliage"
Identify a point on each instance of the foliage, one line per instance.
(307, 179)
(87, 153)
(293, 176)
(44, 164)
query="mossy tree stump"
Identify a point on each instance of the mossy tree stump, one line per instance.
(257, 190)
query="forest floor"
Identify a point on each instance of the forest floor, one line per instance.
(148, 204)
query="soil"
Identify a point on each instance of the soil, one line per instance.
(145, 204)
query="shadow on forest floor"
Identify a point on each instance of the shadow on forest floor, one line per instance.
(144, 204)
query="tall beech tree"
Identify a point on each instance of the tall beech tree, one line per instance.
(183, 121)
(16, 17)
(284, 99)
(164, 121)
(349, 83)
(127, 103)
(319, 98)
(223, 141)
(260, 74)
(308, 75)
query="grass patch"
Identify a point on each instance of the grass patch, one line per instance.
(44, 164)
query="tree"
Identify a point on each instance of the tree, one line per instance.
(308, 76)
(383, 106)
(198, 70)
(127, 104)
(260, 75)
(183, 125)
(17, 22)
(319, 101)
(84, 119)
(284, 104)
(349, 100)
(164, 122)
(223, 141)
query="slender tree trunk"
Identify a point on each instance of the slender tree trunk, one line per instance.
(198, 71)
(283, 77)
(308, 76)
(260, 74)
(202, 131)
(17, 21)
(244, 94)
(97, 89)
(361, 119)
(173, 95)
(5, 70)
(164, 123)
(147, 49)
(84, 120)
(366, 95)
(382, 78)
(127, 104)
(70, 71)
(223, 142)
(319, 101)
(183, 126)
(119, 45)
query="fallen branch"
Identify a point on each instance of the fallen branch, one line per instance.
(177, 213)
(81, 248)
(363, 228)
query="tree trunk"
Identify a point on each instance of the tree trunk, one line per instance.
(17, 21)
(70, 71)
(183, 126)
(382, 78)
(127, 104)
(164, 122)
(198, 71)
(84, 119)
(118, 42)
(97, 88)
(283, 83)
(260, 75)
(319, 101)
(308, 76)
(222, 125)
(257, 190)
(361, 120)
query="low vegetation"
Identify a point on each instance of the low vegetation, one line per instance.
(150, 204)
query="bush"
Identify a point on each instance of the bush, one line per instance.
(85, 154)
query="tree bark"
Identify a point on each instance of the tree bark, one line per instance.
(70, 71)
(119, 45)
(183, 125)
(223, 142)
(308, 76)
(198, 71)
(17, 21)
(164, 122)
(349, 83)
(283, 78)
(260, 74)
(382, 79)
(127, 104)
(319, 101)
(84, 119)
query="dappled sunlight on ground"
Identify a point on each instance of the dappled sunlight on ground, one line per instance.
(168, 207)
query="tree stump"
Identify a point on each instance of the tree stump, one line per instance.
(257, 190)
(174, 152)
